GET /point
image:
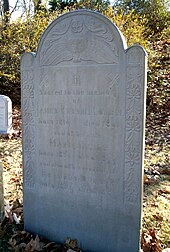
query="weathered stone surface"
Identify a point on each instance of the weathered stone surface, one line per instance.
(83, 99)
(5, 114)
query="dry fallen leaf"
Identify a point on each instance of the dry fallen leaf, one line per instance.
(149, 180)
(34, 244)
(150, 241)
(165, 171)
(71, 243)
(158, 217)
(16, 219)
(166, 191)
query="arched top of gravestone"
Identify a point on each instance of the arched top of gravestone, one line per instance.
(81, 36)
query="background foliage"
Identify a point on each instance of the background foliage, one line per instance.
(16, 38)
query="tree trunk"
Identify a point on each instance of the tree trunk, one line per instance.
(6, 10)
(6, 6)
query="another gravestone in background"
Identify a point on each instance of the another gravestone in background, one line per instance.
(83, 99)
(5, 114)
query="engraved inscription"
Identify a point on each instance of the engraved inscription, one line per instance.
(76, 79)
(82, 114)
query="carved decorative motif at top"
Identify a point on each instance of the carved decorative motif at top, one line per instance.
(77, 39)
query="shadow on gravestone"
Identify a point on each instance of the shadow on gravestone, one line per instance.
(83, 108)
(5, 114)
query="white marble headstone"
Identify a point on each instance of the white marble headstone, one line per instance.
(83, 108)
(5, 114)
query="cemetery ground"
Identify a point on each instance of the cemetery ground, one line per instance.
(156, 200)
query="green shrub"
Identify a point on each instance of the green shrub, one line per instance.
(16, 38)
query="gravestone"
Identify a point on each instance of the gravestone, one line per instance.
(83, 108)
(5, 114)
